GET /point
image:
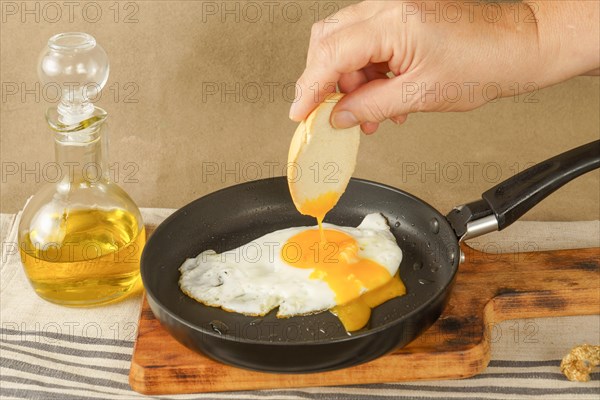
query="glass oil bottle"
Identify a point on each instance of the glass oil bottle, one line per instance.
(81, 237)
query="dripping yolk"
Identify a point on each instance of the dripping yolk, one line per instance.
(336, 262)
(356, 313)
(318, 207)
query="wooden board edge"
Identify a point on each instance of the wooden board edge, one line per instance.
(462, 364)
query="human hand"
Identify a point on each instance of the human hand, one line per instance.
(452, 60)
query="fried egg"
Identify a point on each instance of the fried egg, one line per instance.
(293, 270)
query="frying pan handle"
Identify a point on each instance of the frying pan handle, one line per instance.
(505, 203)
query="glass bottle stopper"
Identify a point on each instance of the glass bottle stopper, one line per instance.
(76, 64)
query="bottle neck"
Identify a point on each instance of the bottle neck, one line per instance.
(74, 110)
(81, 147)
(82, 155)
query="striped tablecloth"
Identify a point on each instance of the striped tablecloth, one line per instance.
(53, 352)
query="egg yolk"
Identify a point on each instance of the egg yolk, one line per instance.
(337, 263)
(334, 257)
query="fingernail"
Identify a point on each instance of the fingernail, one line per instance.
(369, 127)
(398, 120)
(293, 109)
(343, 119)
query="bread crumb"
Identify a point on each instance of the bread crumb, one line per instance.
(578, 364)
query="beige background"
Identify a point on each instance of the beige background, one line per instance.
(171, 52)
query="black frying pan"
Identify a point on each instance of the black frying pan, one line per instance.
(236, 215)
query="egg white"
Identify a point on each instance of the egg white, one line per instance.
(253, 279)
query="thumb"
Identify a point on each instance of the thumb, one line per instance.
(376, 101)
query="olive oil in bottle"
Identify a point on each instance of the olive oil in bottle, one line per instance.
(80, 237)
(95, 256)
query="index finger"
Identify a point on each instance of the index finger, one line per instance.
(347, 50)
(341, 19)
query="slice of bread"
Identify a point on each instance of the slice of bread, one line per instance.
(321, 160)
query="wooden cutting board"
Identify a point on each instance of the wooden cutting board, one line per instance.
(489, 288)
